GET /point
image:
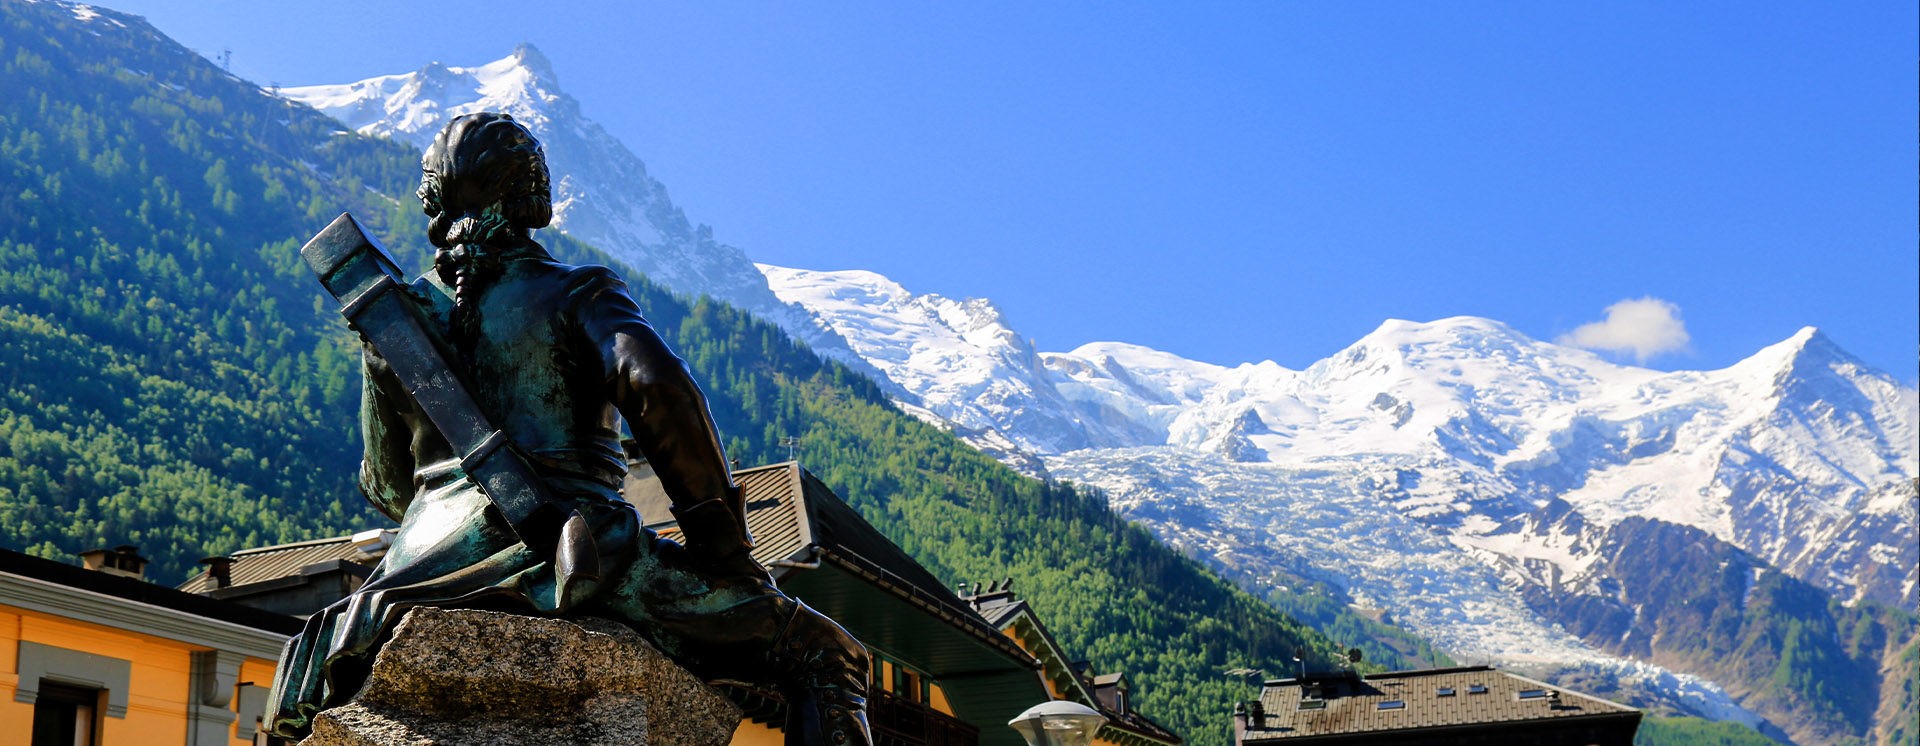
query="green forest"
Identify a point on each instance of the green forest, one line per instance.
(170, 377)
(1655, 731)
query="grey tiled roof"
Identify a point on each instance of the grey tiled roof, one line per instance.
(1355, 704)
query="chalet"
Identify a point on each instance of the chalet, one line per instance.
(942, 674)
(1438, 707)
(1067, 680)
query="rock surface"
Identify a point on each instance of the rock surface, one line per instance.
(470, 678)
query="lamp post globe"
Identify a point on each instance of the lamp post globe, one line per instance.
(1058, 723)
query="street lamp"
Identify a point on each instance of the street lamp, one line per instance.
(1058, 723)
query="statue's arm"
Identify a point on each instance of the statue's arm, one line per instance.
(653, 390)
(386, 467)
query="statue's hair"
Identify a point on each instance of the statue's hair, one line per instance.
(481, 156)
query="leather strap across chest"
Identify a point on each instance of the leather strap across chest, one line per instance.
(359, 273)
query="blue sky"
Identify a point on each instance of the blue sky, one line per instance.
(1236, 182)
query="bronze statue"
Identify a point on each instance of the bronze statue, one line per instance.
(495, 387)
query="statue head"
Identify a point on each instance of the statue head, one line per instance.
(484, 182)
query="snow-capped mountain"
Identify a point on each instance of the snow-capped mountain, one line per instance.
(603, 194)
(1456, 474)
(958, 357)
(1780, 455)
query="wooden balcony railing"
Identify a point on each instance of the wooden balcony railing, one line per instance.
(898, 722)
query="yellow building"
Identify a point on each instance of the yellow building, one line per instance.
(100, 657)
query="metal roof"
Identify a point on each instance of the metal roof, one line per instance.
(1480, 695)
(264, 564)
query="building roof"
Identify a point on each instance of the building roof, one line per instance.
(1331, 704)
(281, 561)
(998, 607)
(142, 592)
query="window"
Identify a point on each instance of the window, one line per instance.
(1391, 704)
(65, 715)
(1313, 704)
(894, 678)
(102, 681)
(1446, 691)
(1477, 689)
(1533, 694)
(908, 685)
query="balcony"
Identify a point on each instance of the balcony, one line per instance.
(899, 722)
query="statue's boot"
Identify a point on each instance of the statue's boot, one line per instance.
(764, 638)
(827, 716)
(825, 675)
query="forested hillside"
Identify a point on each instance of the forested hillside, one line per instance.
(165, 379)
(170, 378)
(1657, 731)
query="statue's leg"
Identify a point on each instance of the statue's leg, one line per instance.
(715, 536)
(450, 551)
(739, 626)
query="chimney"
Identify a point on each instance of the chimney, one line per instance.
(123, 560)
(1248, 715)
(220, 569)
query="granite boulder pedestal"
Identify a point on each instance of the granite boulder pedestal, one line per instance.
(479, 678)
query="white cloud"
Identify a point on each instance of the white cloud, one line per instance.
(1642, 326)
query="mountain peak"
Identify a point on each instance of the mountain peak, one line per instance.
(414, 106)
(1448, 337)
(528, 56)
(1452, 327)
(1810, 340)
(1799, 353)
